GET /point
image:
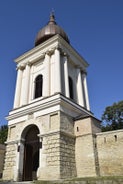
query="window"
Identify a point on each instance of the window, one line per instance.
(115, 136)
(71, 87)
(38, 86)
(77, 128)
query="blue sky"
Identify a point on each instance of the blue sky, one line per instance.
(95, 30)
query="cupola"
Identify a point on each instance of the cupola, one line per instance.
(50, 30)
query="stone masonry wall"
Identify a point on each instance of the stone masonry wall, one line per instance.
(2, 154)
(58, 149)
(66, 123)
(98, 153)
(67, 146)
(58, 156)
(10, 162)
(110, 152)
(85, 157)
(67, 156)
(51, 149)
(85, 146)
(50, 161)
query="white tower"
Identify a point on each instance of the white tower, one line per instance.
(51, 92)
(54, 65)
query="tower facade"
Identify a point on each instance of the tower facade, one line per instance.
(51, 112)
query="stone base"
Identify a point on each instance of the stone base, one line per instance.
(48, 173)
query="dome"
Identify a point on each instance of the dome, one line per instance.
(50, 30)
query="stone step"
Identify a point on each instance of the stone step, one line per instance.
(21, 182)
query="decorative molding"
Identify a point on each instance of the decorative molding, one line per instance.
(57, 133)
(57, 101)
(50, 51)
(37, 58)
(29, 63)
(20, 67)
(12, 142)
(84, 72)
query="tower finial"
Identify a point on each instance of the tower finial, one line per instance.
(52, 16)
(52, 12)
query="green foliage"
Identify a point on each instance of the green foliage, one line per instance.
(3, 133)
(112, 118)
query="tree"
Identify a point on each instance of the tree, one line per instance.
(3, 133)
(112, 118)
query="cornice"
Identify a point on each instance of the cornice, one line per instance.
(54, 42)
(40, 50)
(46, 103)
(67, 48)
(33, 107)
(56, 133)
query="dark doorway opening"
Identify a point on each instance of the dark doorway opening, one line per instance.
(31, 154)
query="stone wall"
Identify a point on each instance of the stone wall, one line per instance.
(58, 149)
(50, 157)
(86, 156)
(2, 154)
(67, 156)
(10, 161)
(67, 146)
(97, 153)
(58, 157)
(110, 152)
(91, 180)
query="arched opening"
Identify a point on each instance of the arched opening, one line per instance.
(31, 153)
(38, 86)
(71, 87)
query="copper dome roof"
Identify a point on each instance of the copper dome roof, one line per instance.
(50, 30)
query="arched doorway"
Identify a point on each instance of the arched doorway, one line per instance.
(31, 153)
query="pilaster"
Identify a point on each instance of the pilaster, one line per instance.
(18, 86)
(46, 84)
(18, 170)
(25, 90)
(57, 71)
(67, 93)
(79, 88)
(85, 90)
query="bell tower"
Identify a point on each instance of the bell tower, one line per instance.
(51, 94)
(52, 69)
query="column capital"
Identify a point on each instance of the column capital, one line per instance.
(40, 137)
(20, 67)
(65, 54)
(49, 52)
(58, 47)
(41, 56)
(84, 72)
(29, 63)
